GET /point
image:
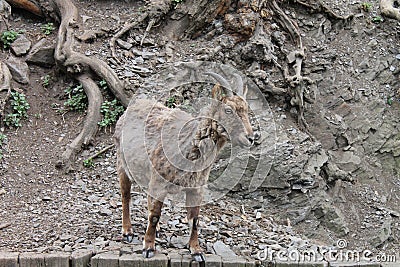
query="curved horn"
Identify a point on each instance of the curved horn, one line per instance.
(239, 85)
(222, 81)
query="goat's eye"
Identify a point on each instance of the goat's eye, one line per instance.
(228, 111)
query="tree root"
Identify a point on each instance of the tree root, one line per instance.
(27, 5)
(79, 65)
(77, 62)
(297, 82)
(290, 25)
(90, 127)
(388, 10)
(320, 7)
(100, 152)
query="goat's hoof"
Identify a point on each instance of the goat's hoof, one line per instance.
(148, 253)
(127, 238)
(199, 257)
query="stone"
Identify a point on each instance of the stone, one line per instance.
(31, 259)
(105, 260)
(87, 36)
(9, 259)
(125, 45)
(132, 260)
(57, 260)
(18, 69)
(21, 45)
(5, 9)
(105, 212)
(223, 250)
(147, 55)
(42, 54)
(331, 217)
(81, 258)
(384, 233)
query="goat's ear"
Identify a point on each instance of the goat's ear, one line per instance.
(218, 92)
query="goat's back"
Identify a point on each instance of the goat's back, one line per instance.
(141, 133)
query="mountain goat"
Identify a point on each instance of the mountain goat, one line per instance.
(168, 150)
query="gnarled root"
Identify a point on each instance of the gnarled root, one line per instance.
(93, 116)
(297, 81)
(78, 65)
(388, 10)
(28, 5)
(78, 62)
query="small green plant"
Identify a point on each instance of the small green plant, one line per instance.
(48, 28)
(377, 19)
(171, 102)
(366, 6)
(19, 107)
(103, 85)
(46, 81)
(176, 2)
(8, 37)
(3, 140)
(77, 99)
(111, 111)
(88, 163)
(389, 100)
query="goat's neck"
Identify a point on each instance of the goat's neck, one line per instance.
(210, 132)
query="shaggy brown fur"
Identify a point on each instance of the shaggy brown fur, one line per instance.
(168, 151)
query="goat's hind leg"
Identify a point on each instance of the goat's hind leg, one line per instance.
(193, 201)
(125, 185)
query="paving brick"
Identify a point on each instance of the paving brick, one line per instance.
(175, 259)
(105, 260)
(312, 264)
(57, 259)
(390, 264)
(81, 258)
(354, 264)
(9, 259)
(31, 259)
(213, 260)
(131, 260)
(251, 263)
(186, 260)
(286, 264)
(159, 260)
(234, 262)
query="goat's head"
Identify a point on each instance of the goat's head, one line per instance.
(231, 111)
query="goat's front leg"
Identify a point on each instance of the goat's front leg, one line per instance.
(193, 201)
(154, 207)
(125, 185)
